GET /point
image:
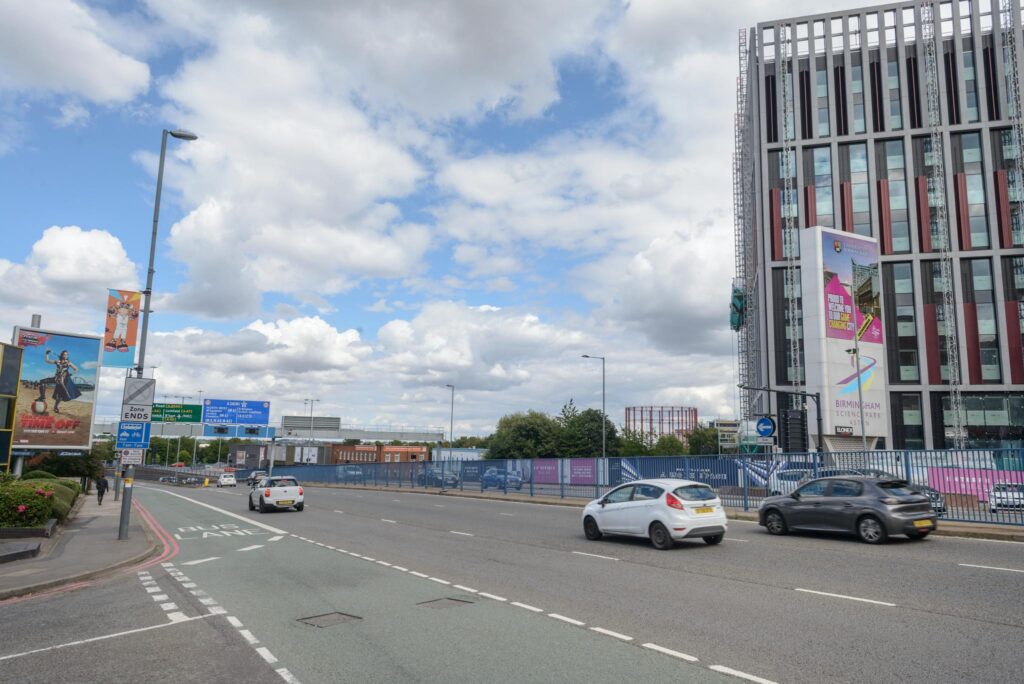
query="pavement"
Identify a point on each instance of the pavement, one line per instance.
(85, 547)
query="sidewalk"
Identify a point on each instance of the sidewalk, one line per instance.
(85, 547)
(945, 527)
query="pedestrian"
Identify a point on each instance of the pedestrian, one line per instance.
(101, 488)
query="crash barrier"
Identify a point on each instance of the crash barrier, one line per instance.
(970, 485)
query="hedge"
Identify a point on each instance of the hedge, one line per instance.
(73, 484)
(60, 509)
(38, 475)
(60, 491)
(22, 506)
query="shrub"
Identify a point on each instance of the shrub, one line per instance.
(38, 475)
(65, 494)
(60, 509)
(21, 506)
(74, 485)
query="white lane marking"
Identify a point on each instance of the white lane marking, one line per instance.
(367, 558)
(247, 521)
(267, 655)
(418, 574)
(492, 596)
(532, 609)
(393, 522)
(342, 512)
(464, 534)
(168, 606)
(207, 601)
(608, 632)
(217, 610)
(235, 622)
(397, 500)
(160, 597)
(742, 675)
(670, 652)
(249, 637)
(274, 538)
(462, 588)
(189, 585)
(566, 619)
(99, 638)
(197, 592)
(384, 563)
(508, 514)
(166, 565)
(844, 596)
(182, 578)
(438, 580)
(320, 544)
(354, 554)
(286, 675)
(439, 505)
(594, 555)
(988, 567)
(202, 560)
(143, 573)
(734, 539)
(400, 568)
(177, 617)
(149, 583)
(997, 541)
(252, 548)
(152, 590)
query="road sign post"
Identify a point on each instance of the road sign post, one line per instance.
(132, 439)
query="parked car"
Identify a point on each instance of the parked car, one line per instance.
(170, 479)
(1008, 495)
(785, 481)
(434, 477)
(255, 476)
(276, 492)
(193, 480)
(870, 507)
(226, 480)
(350, 473)
(663, 510)
(500, 479)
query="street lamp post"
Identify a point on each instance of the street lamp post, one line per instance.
(856, 355)
(312, 403)
(604, 416)
(451, 426)
(195, 441)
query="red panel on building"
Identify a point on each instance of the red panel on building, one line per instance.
(885, 215)
(810, 206)
(931, 344)
(1014, 343)
(1003, 209)
(973, 348)
(846, 205)
(924, 214)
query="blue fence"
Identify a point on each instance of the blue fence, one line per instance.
(965, 485)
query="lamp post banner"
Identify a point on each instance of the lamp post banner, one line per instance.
(121, 328)
(841, 293)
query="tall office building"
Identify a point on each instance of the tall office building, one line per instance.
(901, 122)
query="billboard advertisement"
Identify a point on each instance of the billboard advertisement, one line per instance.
(841, 291)
(57, 394)
(121, 328)
(236, 412)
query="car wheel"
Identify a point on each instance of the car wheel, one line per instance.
(714, 539)
(263, 506)
(300, 506)
(251, 506)
(590, 529)
(775, 523)
(917, 535)
(995, 510)
(660, 538)
(871, 531)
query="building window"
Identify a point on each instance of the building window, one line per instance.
(970, 145)
(907, 420)
(895, 109)
(855, 172)
(971, 83)
(892, 166)
(978, 290)
(901, 323)
(934, 286)
(818, 171)
(784, 329)
(991, 420)
(857, 92)
(821, 96)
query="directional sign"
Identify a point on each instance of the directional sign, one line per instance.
(765, 427)
(131, 456)
(132, 435)
(236, 412)
(135, 413)
(139, 391)
(177, 413)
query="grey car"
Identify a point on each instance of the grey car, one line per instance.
(870, 507)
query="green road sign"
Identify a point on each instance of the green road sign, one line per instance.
(177, 413)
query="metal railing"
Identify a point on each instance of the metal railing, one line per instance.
(970, 485)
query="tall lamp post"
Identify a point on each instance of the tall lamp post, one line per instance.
(195, 440)
(126, 501)
(312, 403)
(451, 426)
(604, 416)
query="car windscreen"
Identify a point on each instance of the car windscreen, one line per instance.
(695, 493)
(898, 488)
(284, 482)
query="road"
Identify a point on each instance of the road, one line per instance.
(529, 599)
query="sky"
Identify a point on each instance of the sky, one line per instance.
(386, 197)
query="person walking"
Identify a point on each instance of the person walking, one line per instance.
(101, 488)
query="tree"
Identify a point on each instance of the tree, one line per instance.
(581, 433)
(634, 443)
(525, 435)
(703, 440)
(669, 445)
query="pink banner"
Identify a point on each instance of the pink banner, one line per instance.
(582, 471)
(546, 471)
(974, 481)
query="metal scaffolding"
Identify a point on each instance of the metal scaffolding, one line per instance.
(788, 208)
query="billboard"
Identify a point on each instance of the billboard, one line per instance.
(236, 412)
(841, 292)
(121, 328)
(57, 394)
(177, 413)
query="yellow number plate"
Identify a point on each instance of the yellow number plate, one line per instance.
(922, 523)
(287, 502)
(705, 509)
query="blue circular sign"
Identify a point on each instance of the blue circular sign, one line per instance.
(765, 427)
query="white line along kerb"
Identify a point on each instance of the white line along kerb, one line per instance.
(247, 521)
(848, 598)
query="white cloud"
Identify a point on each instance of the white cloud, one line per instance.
(71, 114)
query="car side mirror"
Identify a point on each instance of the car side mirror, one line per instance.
(795, 495)
(603, 502)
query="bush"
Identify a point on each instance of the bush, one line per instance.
(38, 475)
(61, 492)
(60, 509)
(71, 484)
(21, 506)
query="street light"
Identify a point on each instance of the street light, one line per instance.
(312, 403)
(195, 442)
(126, 501)
(604, 416)
(451, 427)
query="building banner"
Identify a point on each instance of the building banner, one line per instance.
(121, 328)
(57, 394)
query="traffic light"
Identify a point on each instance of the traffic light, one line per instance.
(793, 429)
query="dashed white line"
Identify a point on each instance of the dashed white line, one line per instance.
(608, 632)
(419, 574)
(532, 609)
(367, 558)
(247, 635)
(278, 537)
(463, 534)
(267, 655)
(988, 567)
(670, 652)
(208, 601)
(189, 585)
(439, 505)
(393, 522)
(508, 514)
(247, 521)
(217, 610)
(742, 675)
(492, 596)
(152, 590)
(384, 563)
(438, 580)
(252, 548)
(595, 555)
(461, 588)
(235, 622)
(399, 568)
(843, 596)
(168, 606)
(342, 512)
(177, 617)
(732, 539)
(160, 597)
(203, 560)
(286, 675)
(566, 619)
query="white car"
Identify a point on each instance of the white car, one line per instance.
(276, 492)
(663, 510)
(226, 480)
(786, 481)
(1006, 495)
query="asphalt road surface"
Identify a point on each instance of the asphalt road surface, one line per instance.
(441, 589)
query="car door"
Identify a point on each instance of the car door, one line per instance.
(639, 512)
(805, 509)
(840, 505)
(612, 516)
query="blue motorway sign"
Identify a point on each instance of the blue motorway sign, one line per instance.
(765, 427)
(236, 412)
(240, 431)
(133, 435)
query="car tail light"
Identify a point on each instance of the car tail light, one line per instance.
(266, 492)
(673, 502)
(300, 491)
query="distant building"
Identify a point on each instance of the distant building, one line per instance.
(354, 453)
(653, 422)
(446, 454)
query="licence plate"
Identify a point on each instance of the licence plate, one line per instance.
(284, 502)
(922, 523)
(704, 509)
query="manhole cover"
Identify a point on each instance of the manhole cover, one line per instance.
(329, 619)
(445, 603)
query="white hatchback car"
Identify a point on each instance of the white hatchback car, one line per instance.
(276, 492)
(663, 510)
(1007, 495)
(226, 480)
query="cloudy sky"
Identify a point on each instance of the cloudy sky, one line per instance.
(386, 196)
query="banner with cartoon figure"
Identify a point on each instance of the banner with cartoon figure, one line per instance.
(57, 393)
(121, 328)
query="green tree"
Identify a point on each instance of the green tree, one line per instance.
(703, 440)
(633, 443)
(669, 445)
(581, 434)
(525, 435)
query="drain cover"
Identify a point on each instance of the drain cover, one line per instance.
(445, 603)
(329, 619)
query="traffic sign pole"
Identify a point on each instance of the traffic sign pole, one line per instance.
(126, 504)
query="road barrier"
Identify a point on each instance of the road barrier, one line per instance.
(970, 485)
